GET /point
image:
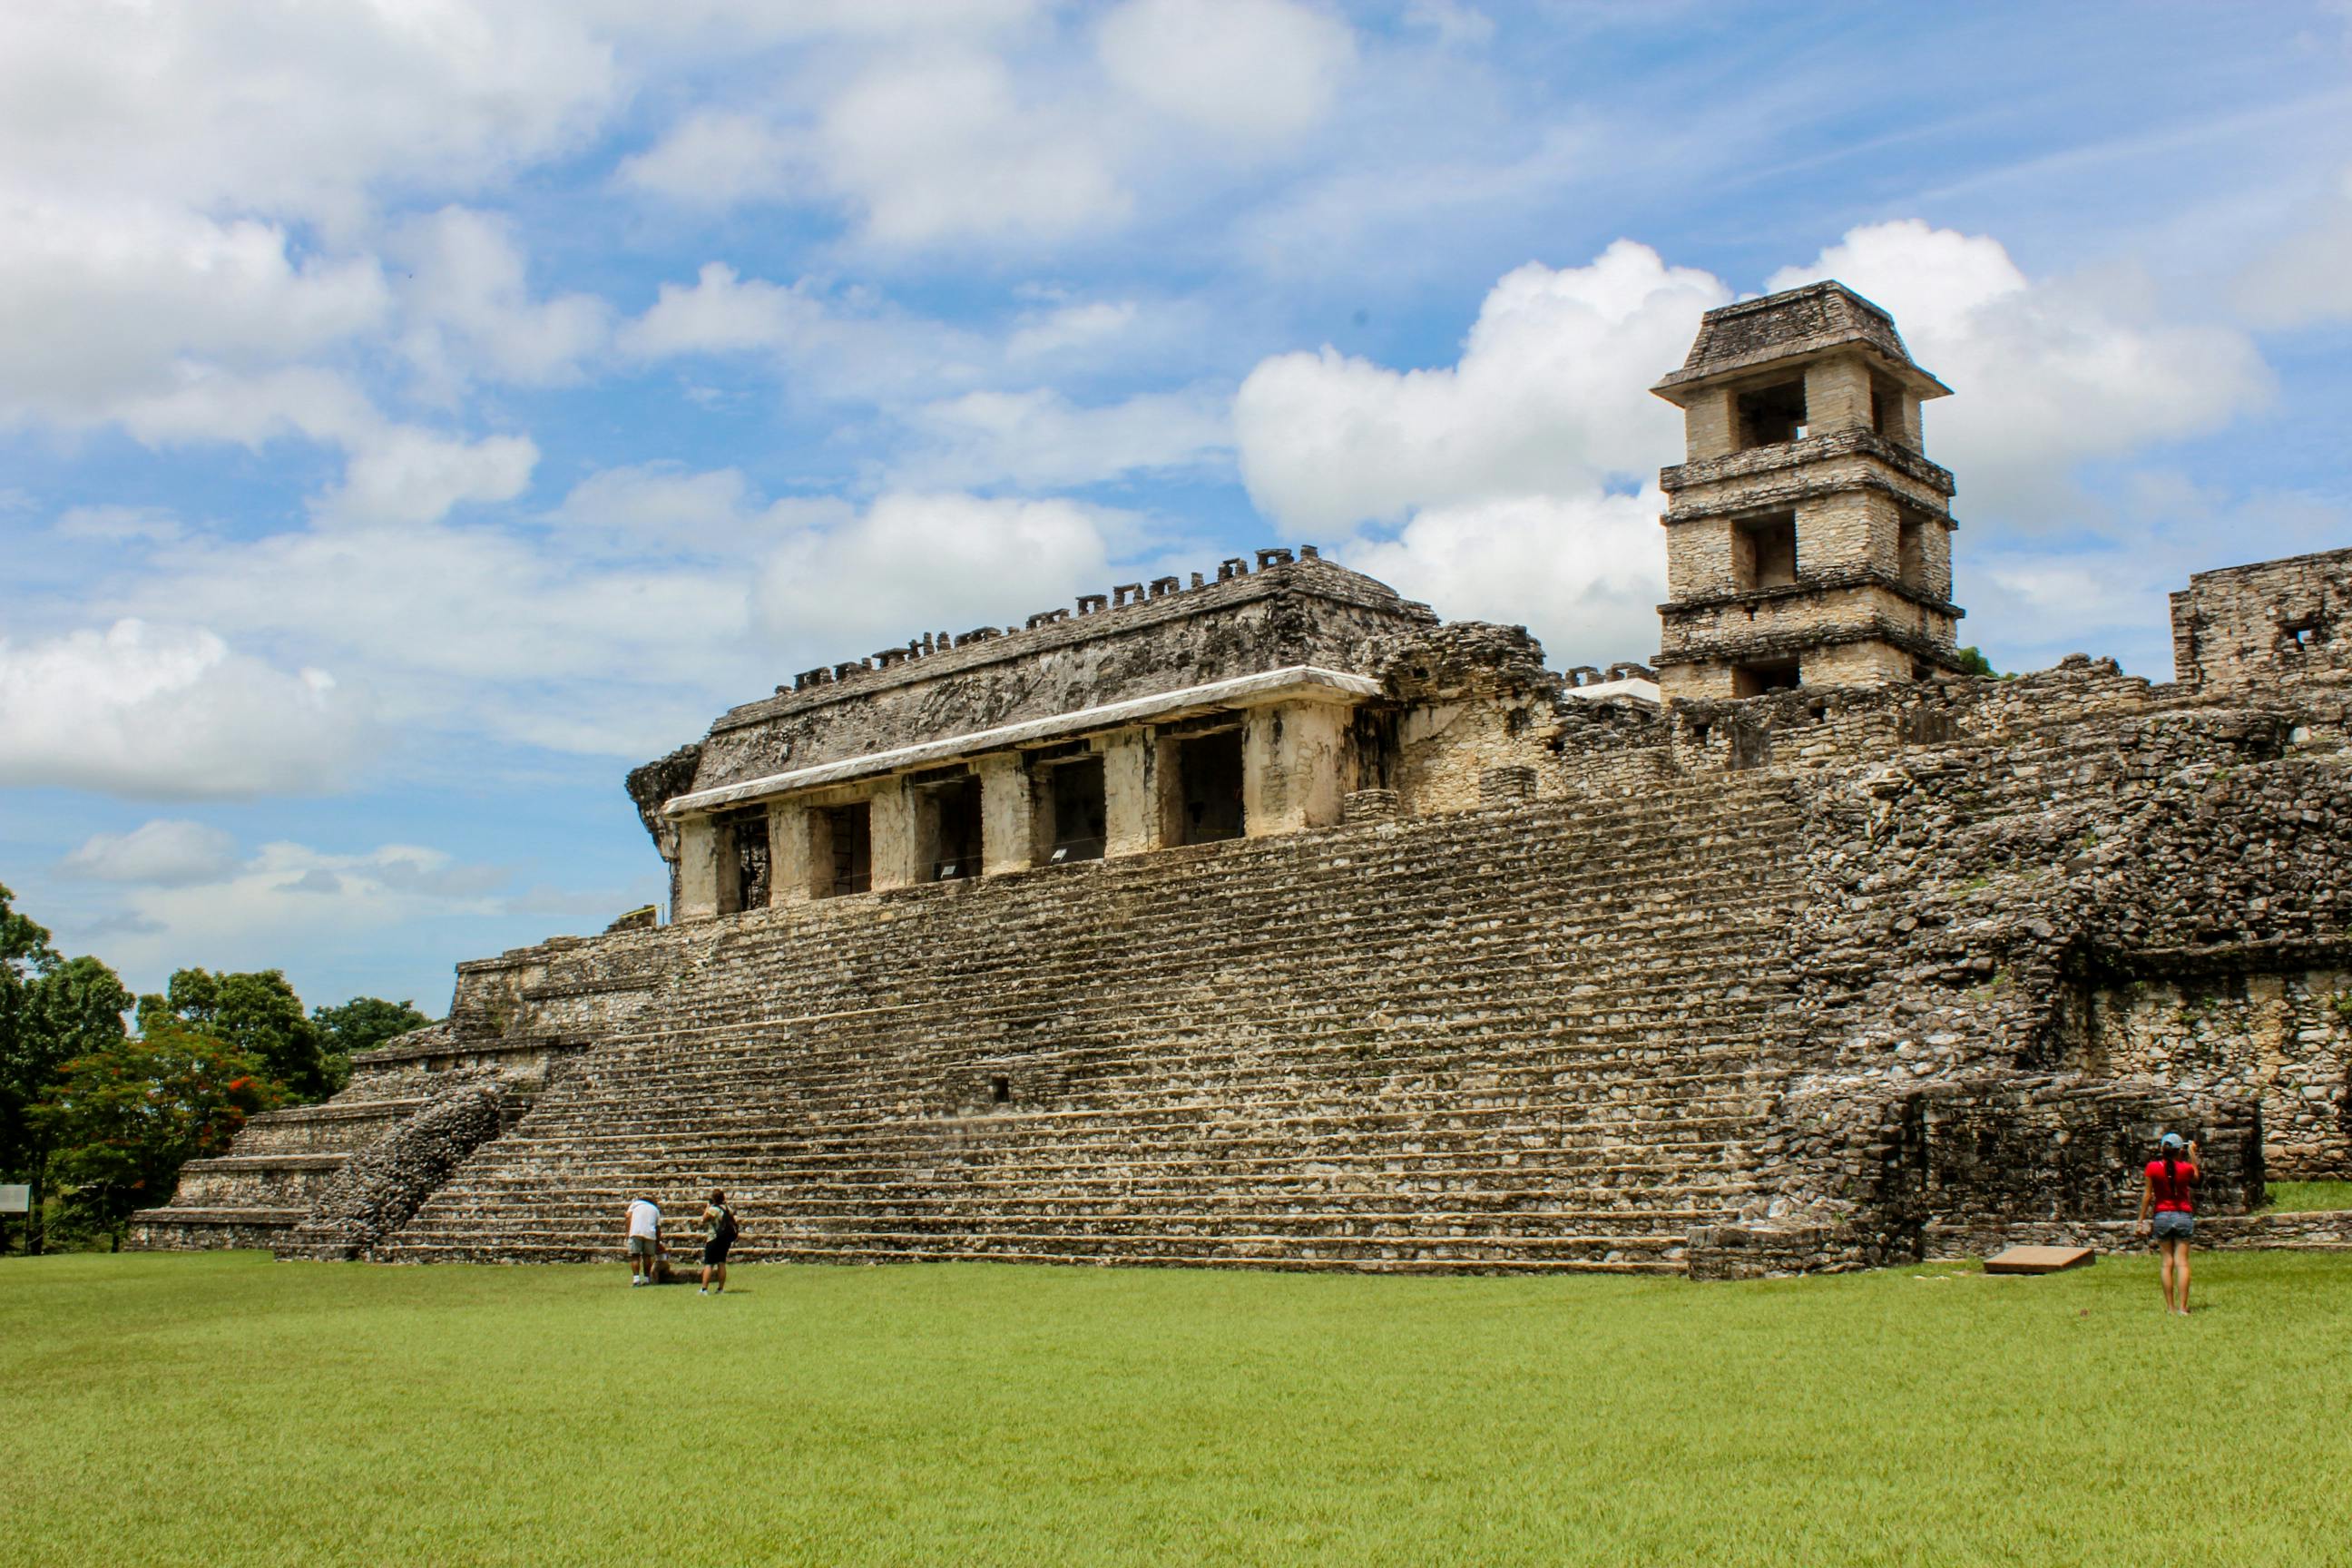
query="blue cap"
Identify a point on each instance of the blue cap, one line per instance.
(2171, 1140)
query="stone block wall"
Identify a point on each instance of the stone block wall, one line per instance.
(2263, 626)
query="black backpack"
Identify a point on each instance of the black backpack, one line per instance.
(727, 1227)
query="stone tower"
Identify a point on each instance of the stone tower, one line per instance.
(1808, 540)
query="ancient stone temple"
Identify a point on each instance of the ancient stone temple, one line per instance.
(1261, 918)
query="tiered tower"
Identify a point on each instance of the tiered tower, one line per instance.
(1808, 540)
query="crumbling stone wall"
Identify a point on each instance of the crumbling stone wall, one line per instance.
(2263, 626)
(385, 1182)
(1160, 639)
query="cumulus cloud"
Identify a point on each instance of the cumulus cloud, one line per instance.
(1516, 483)
(934, 562)
(1546, 398)
(2047, 372)
(717, 157)
(1039, 439)
(470, 310)
(1249, 71)
(285, 897)
(164, 853)
(160, 711)
(943, 145)
(1509, 472)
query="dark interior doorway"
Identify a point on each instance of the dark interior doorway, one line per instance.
(1208, 782)
(952, 829)
(852, 847)
(748, 874)
(1079, 813)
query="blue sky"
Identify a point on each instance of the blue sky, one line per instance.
(413, 414)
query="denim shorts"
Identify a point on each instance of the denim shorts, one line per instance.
(2171, 1225)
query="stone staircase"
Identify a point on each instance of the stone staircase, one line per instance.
(255, 1196)
(1540, 1035)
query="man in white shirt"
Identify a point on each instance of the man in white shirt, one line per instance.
(644, 1240)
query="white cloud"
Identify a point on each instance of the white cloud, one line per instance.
(717, 157)
(1248, 70)
(837, 345)
(1069, 329)
(101, 304)
(935, 561)
(161, 853)
(940, 146)
(169, 713)
(2305, 278)
(284, 105)
(1585, 571)
(291, 899)
(395, 473)
(117, 524)
(1549, 398)
(469, 306)
(1040, 441)
(2046, 373)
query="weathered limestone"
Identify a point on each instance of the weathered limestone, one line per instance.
(1808, 540)
(1309, 933)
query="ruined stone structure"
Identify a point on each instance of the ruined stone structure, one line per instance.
(1267, 920)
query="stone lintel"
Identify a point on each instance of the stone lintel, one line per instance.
(1754, 460)
(1795, 644)
(1298, 683)
(1824, 586)
(1799, 487)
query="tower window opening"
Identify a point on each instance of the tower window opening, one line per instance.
(1767, 675)
(1773, 414)
(1000, 1090)
(1912, 554)
(1764, 552)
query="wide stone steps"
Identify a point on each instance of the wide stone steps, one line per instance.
(1539, 1035)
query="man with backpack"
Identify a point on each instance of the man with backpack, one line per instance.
(719, 1229)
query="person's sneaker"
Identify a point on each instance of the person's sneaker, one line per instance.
(640, 1279)
(703, 1292)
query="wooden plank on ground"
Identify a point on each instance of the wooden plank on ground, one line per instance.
(2040, 1259)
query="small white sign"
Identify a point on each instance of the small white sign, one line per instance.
(15, 1199)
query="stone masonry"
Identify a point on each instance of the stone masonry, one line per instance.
(1266, 920)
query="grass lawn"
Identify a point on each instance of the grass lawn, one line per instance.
(226, 1409)
(2301, 1197)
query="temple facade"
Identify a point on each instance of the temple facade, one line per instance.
(1263, 919)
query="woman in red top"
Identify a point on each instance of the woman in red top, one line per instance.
(2169, 1191)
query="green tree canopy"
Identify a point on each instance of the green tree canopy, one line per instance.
(28, 1059)
(124, 1119)
(256, 1015)
(364, 1023)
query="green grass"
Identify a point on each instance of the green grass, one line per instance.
(226, 1409)
(2303, 1197)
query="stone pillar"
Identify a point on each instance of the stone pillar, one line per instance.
(792, 873)
(1291, 756)
(1837, 397)
(1710, 425)
(895, 848)
(1131, 809)
(698, 866)
(1008, 814)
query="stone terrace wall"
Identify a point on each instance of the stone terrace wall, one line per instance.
(1291, 612)
(1530, 1034)
(2264, 625)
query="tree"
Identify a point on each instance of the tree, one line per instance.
(51, 1010)
(360, 1024)
(1975, 663)
(125, 1118)
(256, 1014)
